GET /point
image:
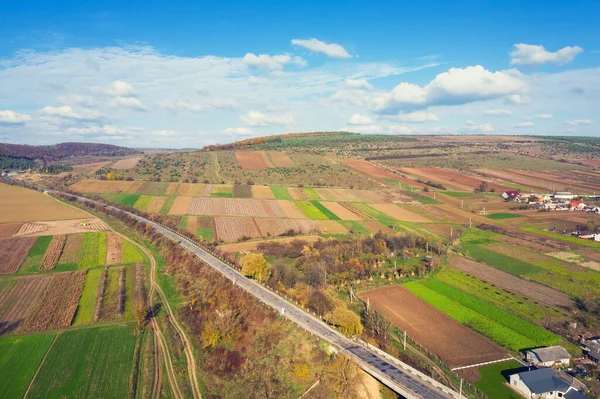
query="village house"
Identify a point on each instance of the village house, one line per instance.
(510, 194)
(548, 357)
(592, 349)
(545, 383)
(592, 237)
(577, 205)
(563, 195)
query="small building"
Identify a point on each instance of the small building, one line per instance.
(548, 357)
(592, 349)
(510, 194)
(591, 237)
(577, 205)
(544, 383)
(564, 195)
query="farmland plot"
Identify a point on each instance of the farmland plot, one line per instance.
(456, 344)
(56, 307)
(399, 213)
(8, 230)
(290, 209)
(340, 211)
(235, 207)
(234, 229)
(153, 188)
(207, 190)
(32, 263)
(93, 250)
(113, 252)
(156, 204)
(277, 227)
(58, 227)
(242, 191)
(457, 179)
(192, 224)
(53, 252)
(70, 253)
(180, 206)
(13, 252)
(249, 160)
(172, 189)
(190, 189)
(332, 227)
(262, 192)
(88, 299)
(281, 159)
(106, 186)
(127, 163)
(17, 296)
(296, 193)
(142, 202)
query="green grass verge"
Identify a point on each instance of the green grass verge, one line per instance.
(478, 322)
(458, 194)
(425, 200)
(281, 193)
(502, 262)
(182, 223)
(311, 193)
(380, 216)
(573, 240)
(311, 211)
(353, 225)
(221, 195)
(92, 362)
(32, 262)
(19, 359)
(91, 247)
(131, 254)
(129, 293)
(330, 215)
(87, 301)
(494, 377)
(167, 206)
(499, 216)
(142, 203)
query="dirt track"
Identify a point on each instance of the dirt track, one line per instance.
(454, 343)
(537, 292)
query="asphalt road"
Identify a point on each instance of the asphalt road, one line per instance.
(398, 376)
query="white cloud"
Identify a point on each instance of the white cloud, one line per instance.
(164, 133)
(128, 102)
(579, 122)
(66, 111)
(416, 117)
(366, 129)
(497, 112)
(13, 118)
(329, 49)
(77, 99)
(256, 118)
(237, 130)
(175, 105)
(516, 99)
(109, 130)
(533, 55)
(472, 127)
(119, 88)
(358, 84)
(358, 119)
(544, 116)
(399, 129)
(457, 86)
(522, 125)
(272, 62)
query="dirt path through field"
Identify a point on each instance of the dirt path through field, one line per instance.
(40, 367)
(113, 252)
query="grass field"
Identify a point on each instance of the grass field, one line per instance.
(87, 301)
(19, 359)
(494, 377)
(93, 250)
(499, 216)
(222, 192)
(310, 210)
(424, 200)
(311, 194)
(94, 362)
(281, 193)
(142, 202)
(129, 293)
(353, 225)
(35, 255)
(573, 240)
(330, 215)
(380, 216)
(122, 198)
(167, 206)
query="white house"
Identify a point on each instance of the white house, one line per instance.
(564, 195)
(543, 384)
(593, 237)
(548, 357)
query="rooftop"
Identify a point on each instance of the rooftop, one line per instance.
(542, 381)
(551, 354)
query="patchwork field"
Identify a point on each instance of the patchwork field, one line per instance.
(277, 227)
(8, 230)
(62, 227)
(13, 252)
(451, 178)
(281, 159)
(106, 186)
(128, 163)
(456, 344)
(341, 211)
(262, 192)
(229, 229)
(24, 205)
(17, 296)
(249, 160)
(230, 207)
(399, 213)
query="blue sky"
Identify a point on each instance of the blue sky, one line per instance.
(174, 74)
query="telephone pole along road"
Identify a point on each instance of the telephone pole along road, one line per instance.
(398, 376)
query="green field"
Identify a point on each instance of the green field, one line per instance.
(19, 359)
(330, 215)
(311, 193)
(130, 253)
(353, 225)
(494, 377)
(572, 240)
(92, 362)
(142, 203)
(122, 198)
(129, 292)
(182, 223)
(167, 206)
(380, 216)
(222, 192)
(87, 301)
(424, 200)
(458, 194)
(310, 210)
(35, 255)
(93, 250)
(485, 324)
(153, 188)
(281, 193)
(499, 216)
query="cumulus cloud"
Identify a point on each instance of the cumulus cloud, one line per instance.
(534, 55)
(416, 117)
(109, 130)
(329, 49)
(13, 118)
(119, 88)
(516, 99)
(358, 84)
(457, 86)
(497, 112)
(472, 127)
(164, 133)
(77, 99)
(127, 102)
(366, 129)
(579, 122)
(272, 62)
(237, 130)
(178, 104)
(544, 116)
(66, 111)
(358, 119)
(256, 118)
(399, 129)
(522, 125)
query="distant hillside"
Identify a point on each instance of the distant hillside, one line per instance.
(63, 151)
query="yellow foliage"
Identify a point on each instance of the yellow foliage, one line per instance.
(255, 266)
(111, 176)
(346, 320)
(210, 336)
(301, 370)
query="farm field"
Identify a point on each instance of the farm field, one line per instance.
(24, 205)
(156, 205)
(252, 245)
(229, 229)
(451, 178)
(456, 344)
(58, 227)
(188, 190)
(231, 207)
(104, 372)
(341, 211)
(8, 230)
(277, 227)
(378, 173)
(128, 163)
(399, 213)
(13, 252)
(17, 296)
(280, 159)
(262, 192)
(311, 211)
(249, 160)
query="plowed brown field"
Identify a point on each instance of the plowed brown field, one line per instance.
(180, 206)
(281, 159)
(340, 211)
(290, 209)
(9, 230)
(172, 189)
(375, 226)
(399, 213)
(13, 252)
(262, 192)
(456, 344)
(128, 163)
(207, 190)
(233, 229)
(296, 193)
(17, 296)
(452, 178)
(277, 227)
(156, 204)
(511, 283)
(249, 160)
(192, 224)
(53, 252)
(106, 186)
(379, 173)
(190, 189)
(56, 307)
(235, 207)
(113, 253)
(331, 194)
(332, 227)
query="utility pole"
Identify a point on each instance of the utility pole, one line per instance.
(462, 204)
(470, 223)
(404, 339)
(460, 392)
(450, 232)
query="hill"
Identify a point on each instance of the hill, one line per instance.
(63, 151)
